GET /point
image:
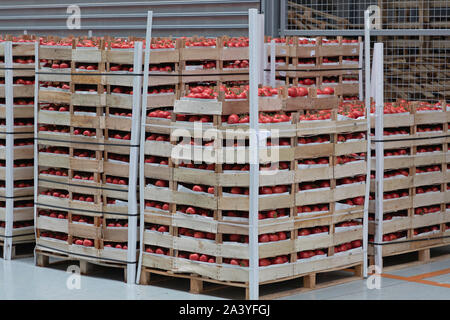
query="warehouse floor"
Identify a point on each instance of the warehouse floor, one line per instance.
(20, 279)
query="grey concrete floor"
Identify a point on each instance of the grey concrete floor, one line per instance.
(21, 279)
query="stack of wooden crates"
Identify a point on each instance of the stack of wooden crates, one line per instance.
(16, 144)
(88, 153)
(203, 236)
(416, 181)
(324, 62)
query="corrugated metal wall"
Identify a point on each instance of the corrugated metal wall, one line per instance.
(123, 18)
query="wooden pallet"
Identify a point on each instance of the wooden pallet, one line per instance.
(305, 17)
(420, 255)
(415, 68)
(309, 281)
(396, 15)
(86, 265)
(20, 249)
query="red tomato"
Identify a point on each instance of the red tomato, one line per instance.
(273, 237)
(272, 214)
(278, 189)
(328, 90)
(194, 256)
(281, 235)
(264, 238)
(236, 190)
(302, 92)
(159, 251)
(264, 262)
(278, 260)
(244, 119)
(197, 188)
(199, 235)
(190, 210)
(266, 190)
(161, 183)
(233, 118)
(88, 243)
(358, 201)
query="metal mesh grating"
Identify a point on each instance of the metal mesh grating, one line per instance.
(416, 66)
(349, 14)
